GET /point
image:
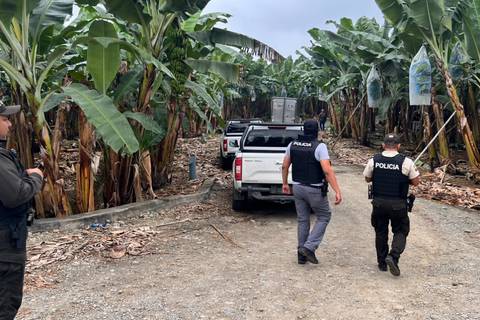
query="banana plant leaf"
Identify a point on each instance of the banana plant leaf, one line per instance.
(102, 62)
(229, 71)
(49, 13)
(14, 8)
(109, 123)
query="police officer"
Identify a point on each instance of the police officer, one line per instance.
(311, 171)
(17, 189)
(391, 174)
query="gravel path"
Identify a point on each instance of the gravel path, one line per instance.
(197, 274)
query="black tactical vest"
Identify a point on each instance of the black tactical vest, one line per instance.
(305, 167)
(14, 220)
(388, 180)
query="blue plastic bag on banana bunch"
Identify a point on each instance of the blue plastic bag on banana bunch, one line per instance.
(374, 88)
(253, 94)
(420, 79)
(321, 96)
(458, 59)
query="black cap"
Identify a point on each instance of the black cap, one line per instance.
(310, 127)
(391, 139)
(8, 110)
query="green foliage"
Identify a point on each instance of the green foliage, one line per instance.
(129, 10)
(109, 123)
(128, 83)
(49, 13)
(10, 9)
(102, 61)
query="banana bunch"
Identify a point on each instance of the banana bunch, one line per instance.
(176, 53)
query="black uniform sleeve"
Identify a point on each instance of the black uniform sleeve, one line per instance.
(14, 189)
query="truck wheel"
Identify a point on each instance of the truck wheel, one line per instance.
(225, 163)
(238, 201)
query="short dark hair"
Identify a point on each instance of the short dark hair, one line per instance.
(391, 139)
(310, 127)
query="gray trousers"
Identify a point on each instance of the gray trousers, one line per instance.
(308, 200)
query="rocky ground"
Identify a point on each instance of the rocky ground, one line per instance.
(204, 261)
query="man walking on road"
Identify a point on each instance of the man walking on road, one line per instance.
(323, 119)
(391, 174)
(311, 174)
(17, 189)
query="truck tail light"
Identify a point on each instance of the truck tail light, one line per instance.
(225, 145)
(238, 169)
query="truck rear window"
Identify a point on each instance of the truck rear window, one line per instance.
(237, 127)
(271, 138)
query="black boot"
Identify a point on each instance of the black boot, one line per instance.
(382, 266)
(308, 254)
(301, 258)
(393, 265)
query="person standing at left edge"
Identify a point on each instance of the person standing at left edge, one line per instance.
(311, 174)
(17, 189)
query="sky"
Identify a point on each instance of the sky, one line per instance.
(283, 24)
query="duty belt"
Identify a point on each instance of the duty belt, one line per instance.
(312, 186)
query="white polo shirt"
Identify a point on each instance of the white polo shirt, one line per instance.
(408, 167)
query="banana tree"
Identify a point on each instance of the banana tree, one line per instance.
(468, 20)
(154, 29)
(332, 54)
(432, 21)
(187, 46)
(28, 62)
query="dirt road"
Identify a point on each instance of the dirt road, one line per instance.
(197, 274)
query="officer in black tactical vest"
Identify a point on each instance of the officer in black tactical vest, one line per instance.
(17, 189)
(391, 174)
(311, 174)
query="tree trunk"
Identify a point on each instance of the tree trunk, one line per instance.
(372, 120)
(352, 117)
(334, 118)
(364, 124)
(85, 181)
(443, 152)
(427, 136)
(126, 183)
(472, 113)
(166, 150)
(467, 135)
(111, 197)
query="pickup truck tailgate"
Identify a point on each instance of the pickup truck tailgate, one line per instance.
(265, 168)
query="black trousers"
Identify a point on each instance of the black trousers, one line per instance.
(11, 289)
(384, 213)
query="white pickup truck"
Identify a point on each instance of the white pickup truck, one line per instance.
(257, 168)
(230, 141)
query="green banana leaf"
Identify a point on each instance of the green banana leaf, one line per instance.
(109, 123)
(182, 6)
(229, 71)
(14, 8)
(470, 14)
(237, 40)
(48, 13)
(128, 83)
(146, 122)
(201, 91)
(102, 62)
(393, 10)
(129, 10)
